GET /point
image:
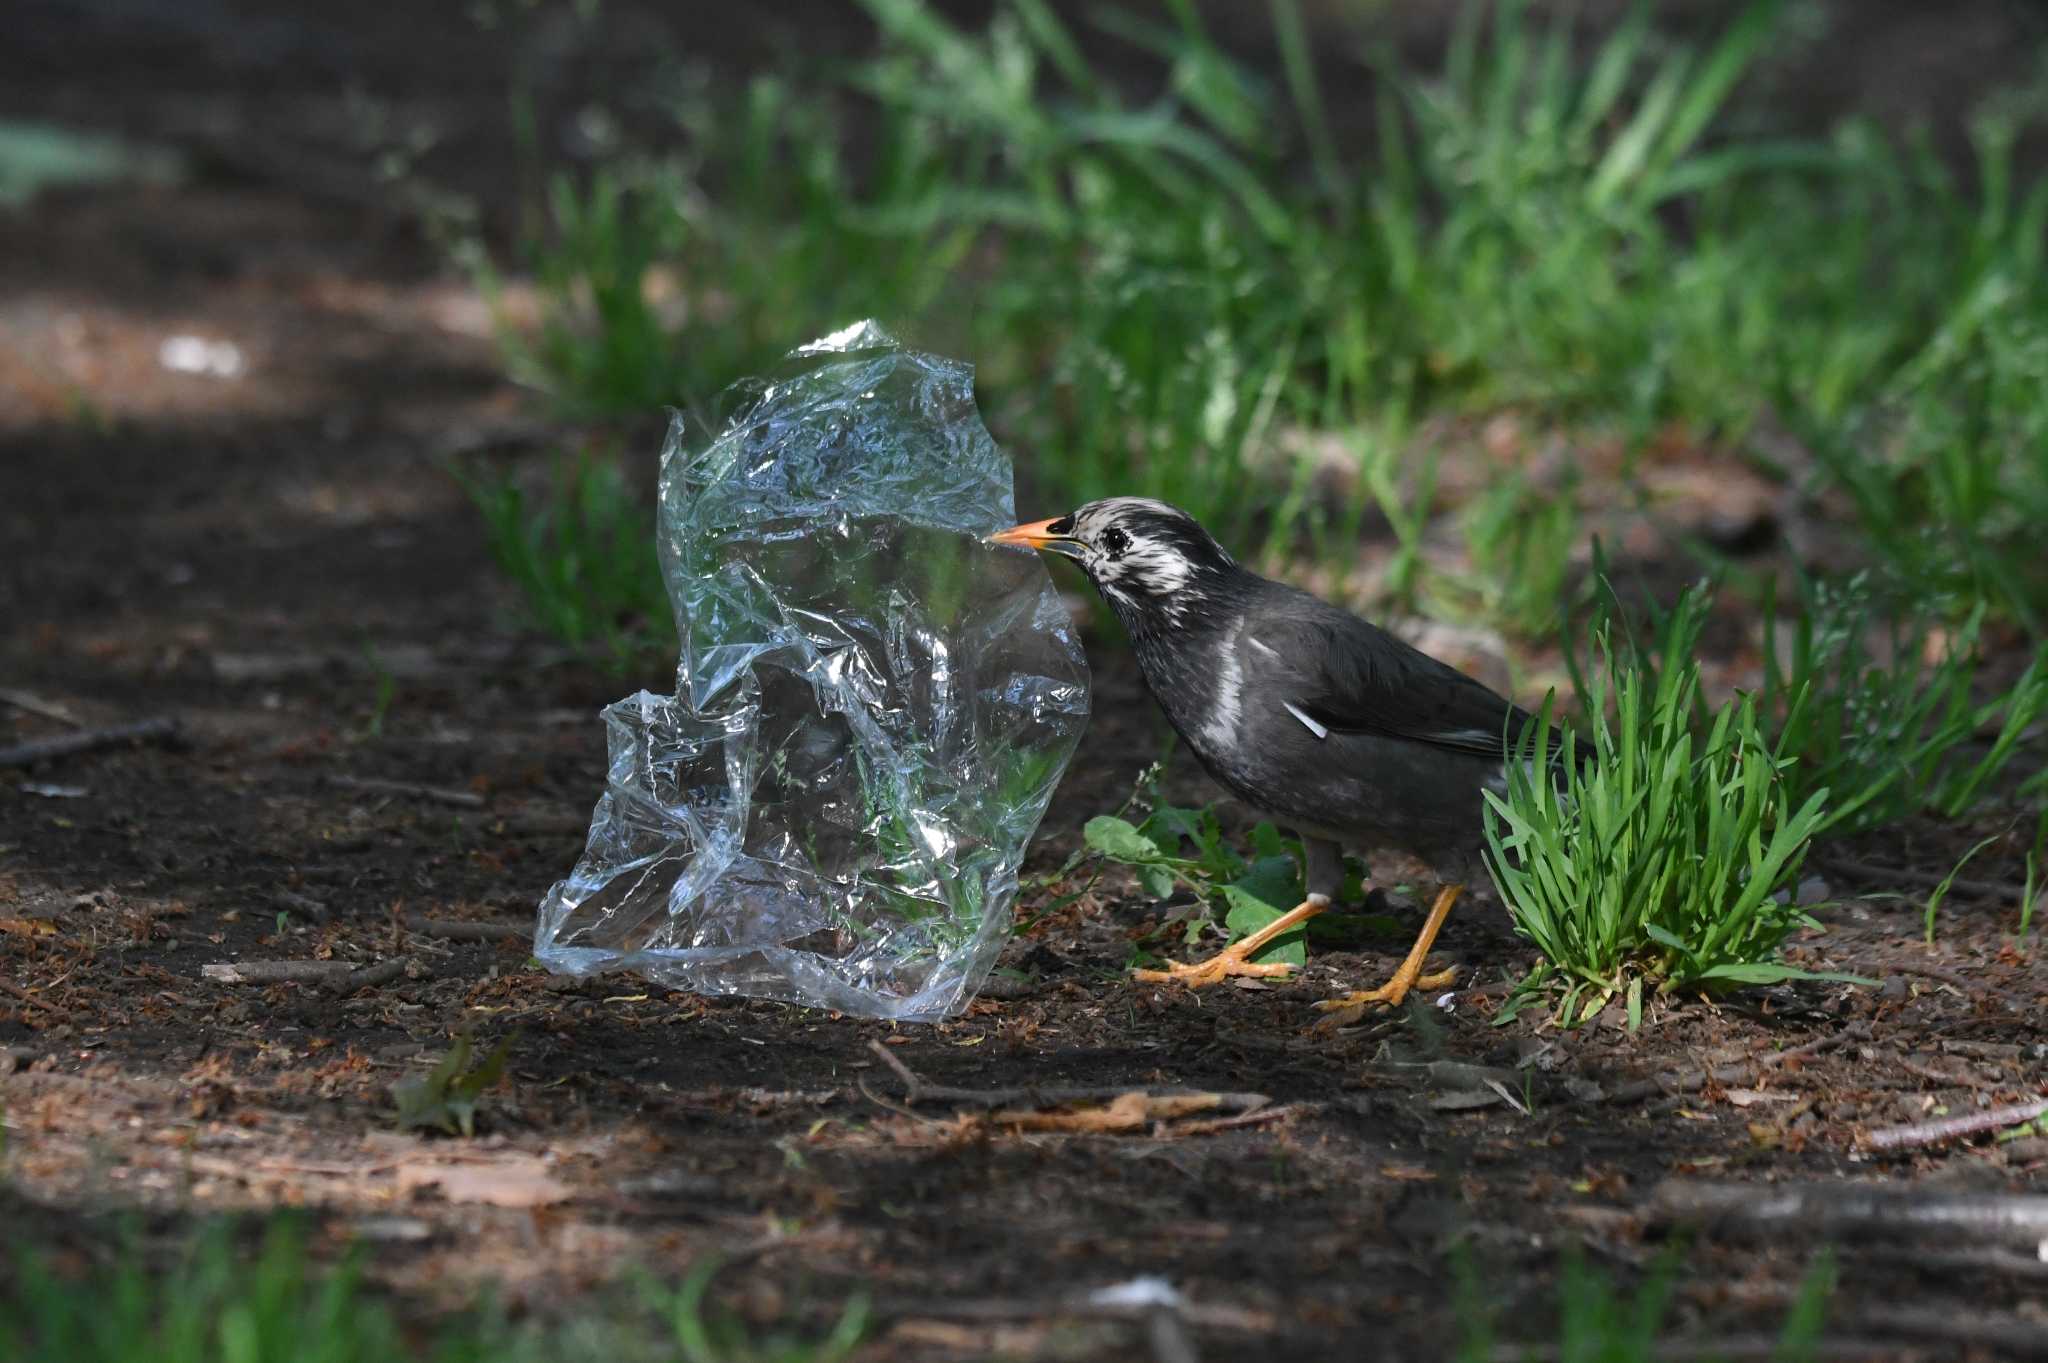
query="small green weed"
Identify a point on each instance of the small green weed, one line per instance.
(445, 1099)
(2036, 889)
(384, 688)
(704, 1337)
(582, 557)
(1599, 1321)
(1252, 891)
(1935, 900)
(1664, 859)
(1173, 849)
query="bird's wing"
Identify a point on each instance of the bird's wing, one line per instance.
(1338, 673)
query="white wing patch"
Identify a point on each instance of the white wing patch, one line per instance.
(1220, 729)
(1307, 723)
(1266, 649)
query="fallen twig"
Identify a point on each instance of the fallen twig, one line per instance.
(1935, 1076)
(1992, 1330)
(303, 904)
(1935, 972)
(462, 799)
(1262, 1116)
(88, 740)
(1727, 1349)
(1966, 1262)
(275, 972)
(916, 1090)
(1692, 1081)
(15, 991)
(370, 976)
(1076, 1308)
(463, 930)
(36, 705)
(1836, 1209)
(1915, 1135)
(1870, 873)
(1131, 1110)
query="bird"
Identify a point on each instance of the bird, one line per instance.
(1312, 716)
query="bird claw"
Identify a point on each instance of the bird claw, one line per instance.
(1349, 1009)
(1202, 974)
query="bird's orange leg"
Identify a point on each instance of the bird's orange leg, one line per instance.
(1236, 959)
(1409, 976)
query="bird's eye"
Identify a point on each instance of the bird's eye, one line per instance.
(1114, 542)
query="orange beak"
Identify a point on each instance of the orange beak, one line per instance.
(1038, 535)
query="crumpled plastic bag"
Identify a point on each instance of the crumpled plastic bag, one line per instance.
(872, 705)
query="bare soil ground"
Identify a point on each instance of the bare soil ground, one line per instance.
(254, 555)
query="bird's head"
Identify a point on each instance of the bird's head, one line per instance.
(1152, 562)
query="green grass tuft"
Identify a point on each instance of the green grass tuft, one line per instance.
(1663, 854)
(582, 557)
(1885, 709)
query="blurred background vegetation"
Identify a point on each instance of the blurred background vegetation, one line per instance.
(1301, 290)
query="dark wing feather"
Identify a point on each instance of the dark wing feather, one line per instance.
(1353, 677)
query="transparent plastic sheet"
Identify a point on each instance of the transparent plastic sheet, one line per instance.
(872, 706)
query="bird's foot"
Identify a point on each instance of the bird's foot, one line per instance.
(1201, 974)
(1236, 959)
(1349, 1009)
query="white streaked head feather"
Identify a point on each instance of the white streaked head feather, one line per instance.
(1128, 558)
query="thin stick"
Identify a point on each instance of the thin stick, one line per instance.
(1208, 1126)
(1914, 1135)
(15, 991)
(1935, 972)
(36, 705)
(462, 930)
(305, 904)
(916, 1090)
(88, 740)
(1935, 1076)
(462, 799)
(912, 1085)
(1838, 1209)
(1692, 1081)
(371, 976)
(275, 972)
(1965, 1262)
(1075, 1308)
(1871, 873)
(1728, 1349)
